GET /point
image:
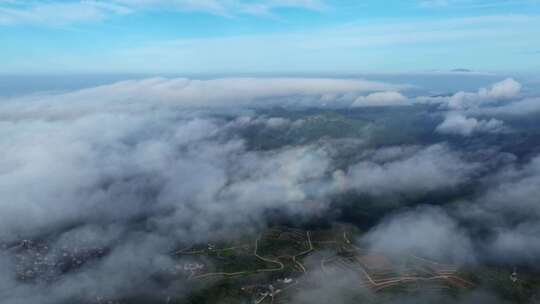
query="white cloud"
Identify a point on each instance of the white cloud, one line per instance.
(509, 209)
(277, 122)
(520, 243)
(106, 166)
(224, 7)
(407, 171)
(428, 232)
(110, 142)
(59, 13)
(501, 99)
(381, 99)
(102, 157)
(467, 4)
(521, 107)
(182, 92)
(305, 47)
(456, 123)
(505, 90)
(302, 50)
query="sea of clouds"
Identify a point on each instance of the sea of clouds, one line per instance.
(139, 166)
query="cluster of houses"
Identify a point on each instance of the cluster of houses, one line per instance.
(262, 292)
(36, 260)
(190, 268)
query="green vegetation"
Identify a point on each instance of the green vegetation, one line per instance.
(238, 275)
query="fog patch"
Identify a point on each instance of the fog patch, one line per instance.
(427, 231)
(458, 124)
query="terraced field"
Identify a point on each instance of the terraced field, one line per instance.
(282, 262)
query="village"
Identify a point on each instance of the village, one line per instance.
(268, 268)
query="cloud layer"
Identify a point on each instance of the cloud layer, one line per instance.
(455, 123)
(137, 95)
(505, 90)
(136, 168)
(381, 99)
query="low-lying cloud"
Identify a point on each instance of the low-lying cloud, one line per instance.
(457, 124)
(381, 99)
(137, 167)
(139, 95)
(402, 171)
(505, 90)
(425, 231)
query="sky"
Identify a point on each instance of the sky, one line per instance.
(114, 112)
(209, 37)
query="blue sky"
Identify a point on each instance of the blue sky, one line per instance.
(268, 36)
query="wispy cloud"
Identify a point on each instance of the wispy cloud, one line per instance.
(222, 7)
(301, 49)
(59, 13)
(468, 4)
